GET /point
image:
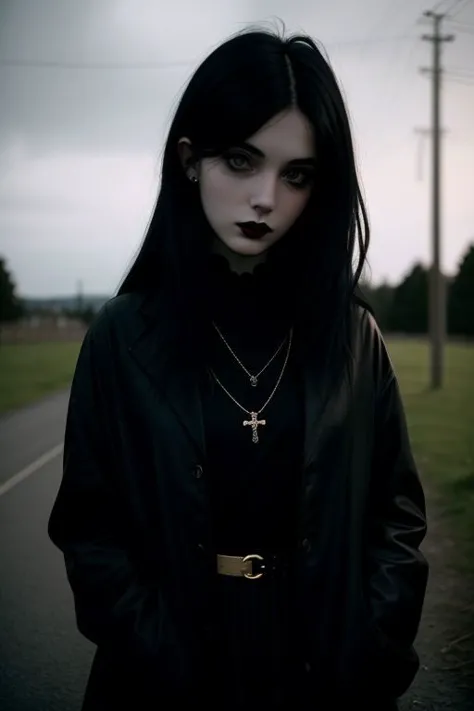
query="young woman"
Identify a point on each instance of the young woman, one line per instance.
(240, 512)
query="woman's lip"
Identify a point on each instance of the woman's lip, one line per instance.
(253, 229)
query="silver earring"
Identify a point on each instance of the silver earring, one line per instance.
(194, 178)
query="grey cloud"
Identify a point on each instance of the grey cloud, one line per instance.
(81, 109)
(65, 80)
(52, 104)
(15, 203)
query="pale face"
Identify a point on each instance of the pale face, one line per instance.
(268, 179)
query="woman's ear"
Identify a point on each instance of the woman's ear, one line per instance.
(187, 159)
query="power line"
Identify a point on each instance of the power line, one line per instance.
(447, 11)
(459, 71)
(466, 81)
(384, 20)
(437, 6)
(61, 64)
(459, 23)
(464, 4)
(53, 64)
(453, 7)
(466, 29)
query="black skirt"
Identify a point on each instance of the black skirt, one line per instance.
(254, 655)
(258, 665)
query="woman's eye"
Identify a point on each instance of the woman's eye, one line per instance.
(237, 161)
(298, 178)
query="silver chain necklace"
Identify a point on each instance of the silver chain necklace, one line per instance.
(253, 378)
(254, 422)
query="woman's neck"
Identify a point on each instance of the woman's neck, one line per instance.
(238, 263)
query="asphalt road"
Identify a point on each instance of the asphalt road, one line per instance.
(44, 661)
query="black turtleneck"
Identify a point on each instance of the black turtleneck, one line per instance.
(253, 486)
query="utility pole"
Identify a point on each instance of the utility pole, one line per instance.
(422, 133)
(437, 296)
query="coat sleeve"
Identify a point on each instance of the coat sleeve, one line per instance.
(397, 570)
(114, 607)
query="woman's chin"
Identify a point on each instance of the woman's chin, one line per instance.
(246, 247)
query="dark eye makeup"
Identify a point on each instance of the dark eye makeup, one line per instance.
(239, 161)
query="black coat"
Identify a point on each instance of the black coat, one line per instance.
(132, 518)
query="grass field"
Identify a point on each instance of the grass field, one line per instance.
(441, 423)
(28, 372)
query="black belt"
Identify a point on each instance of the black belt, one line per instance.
(253, 566)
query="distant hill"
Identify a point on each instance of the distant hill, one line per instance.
(63, 302)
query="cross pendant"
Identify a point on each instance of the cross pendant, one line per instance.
(254, 424)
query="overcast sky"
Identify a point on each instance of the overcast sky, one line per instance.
(87, 92)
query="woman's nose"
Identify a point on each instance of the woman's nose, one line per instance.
(264, 196)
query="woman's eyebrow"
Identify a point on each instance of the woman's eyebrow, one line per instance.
(311, 161)
(303, 162)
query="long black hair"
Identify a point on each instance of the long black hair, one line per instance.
(241, 85)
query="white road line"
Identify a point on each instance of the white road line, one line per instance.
(31, 468)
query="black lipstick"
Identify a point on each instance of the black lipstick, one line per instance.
(254, 230)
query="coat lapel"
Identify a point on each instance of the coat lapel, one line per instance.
(314, 399)
(326, 406)
(152, 350)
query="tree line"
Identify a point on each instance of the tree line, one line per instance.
(404, 308)
(398, 309)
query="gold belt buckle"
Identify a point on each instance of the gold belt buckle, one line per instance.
(252, 556)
